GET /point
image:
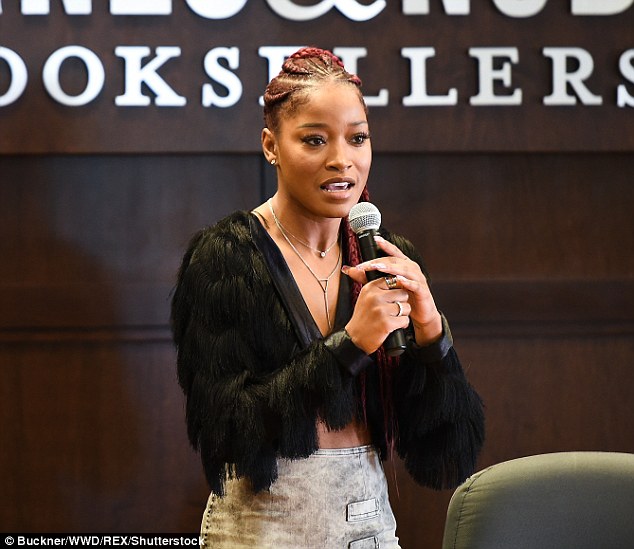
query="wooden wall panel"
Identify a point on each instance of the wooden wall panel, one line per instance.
(93, 438)
(531, 258)
(513, 216)
(96, 240)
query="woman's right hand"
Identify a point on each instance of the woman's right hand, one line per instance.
(376, 313)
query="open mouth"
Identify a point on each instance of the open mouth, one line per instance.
(337, 186)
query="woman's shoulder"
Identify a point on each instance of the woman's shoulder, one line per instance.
(234, 224)
(224, 247)
(231, 230)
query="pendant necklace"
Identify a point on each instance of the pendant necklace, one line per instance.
(285, 231)
(323, 282)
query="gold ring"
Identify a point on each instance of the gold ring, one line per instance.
(400, 308)
(391, 282)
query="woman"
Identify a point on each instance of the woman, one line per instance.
(291, 399)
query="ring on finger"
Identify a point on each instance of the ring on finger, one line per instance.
(391, 282)
(400, 308)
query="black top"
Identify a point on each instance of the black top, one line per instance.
(258, 374)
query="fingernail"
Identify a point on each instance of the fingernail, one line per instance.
(345, 269)
(378, 238)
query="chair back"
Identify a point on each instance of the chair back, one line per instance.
(567, 500)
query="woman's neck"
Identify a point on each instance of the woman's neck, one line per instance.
(319, 235)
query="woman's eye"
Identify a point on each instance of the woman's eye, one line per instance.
(314, 140)
(360, 138)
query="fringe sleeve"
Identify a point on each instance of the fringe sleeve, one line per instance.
(440, 421)
(247, 401)
(440, 418)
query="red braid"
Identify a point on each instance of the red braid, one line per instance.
(386, 364)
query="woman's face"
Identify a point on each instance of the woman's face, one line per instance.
(323, 152)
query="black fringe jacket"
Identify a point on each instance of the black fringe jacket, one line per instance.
(258, 376)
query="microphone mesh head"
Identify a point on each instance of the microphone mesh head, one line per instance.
(364, 216)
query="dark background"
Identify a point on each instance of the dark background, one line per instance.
(524, 215)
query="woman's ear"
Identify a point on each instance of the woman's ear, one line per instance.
(268, 146)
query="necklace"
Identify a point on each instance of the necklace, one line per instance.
(323, 282)
(285, 231)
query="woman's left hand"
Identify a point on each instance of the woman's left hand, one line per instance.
(423, 313)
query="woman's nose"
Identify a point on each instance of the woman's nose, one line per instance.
(339, 158)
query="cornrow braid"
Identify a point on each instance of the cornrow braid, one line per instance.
(303, 70)
(304, 53)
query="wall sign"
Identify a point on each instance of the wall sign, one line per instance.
(166, 76)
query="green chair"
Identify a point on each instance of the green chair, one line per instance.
(567, 500)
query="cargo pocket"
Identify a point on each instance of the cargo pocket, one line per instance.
(363, 510)
(365, 543)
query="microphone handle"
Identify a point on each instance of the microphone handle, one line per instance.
(394, 343)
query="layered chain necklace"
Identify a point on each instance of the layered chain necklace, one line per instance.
(323, 282)
(285, 232)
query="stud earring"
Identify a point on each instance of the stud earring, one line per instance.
(273, 162)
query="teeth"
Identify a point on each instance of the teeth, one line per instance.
(337, 186)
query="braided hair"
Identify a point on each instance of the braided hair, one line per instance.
(303, 71)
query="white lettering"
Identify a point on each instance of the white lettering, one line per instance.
(350, 8)
(604, 7)
(350, 56)
(43, 7)
(562, 79)
(626, 65)
(418, 69)
(94, 68)
(19, 76)
(136, 76)
(488, 76)
(520, 8)
(224, 77)
(421, 7)
(140, 7)
(216, 9)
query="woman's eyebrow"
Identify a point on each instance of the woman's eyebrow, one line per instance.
(324, 125)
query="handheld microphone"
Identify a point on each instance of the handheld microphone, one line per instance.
(365, 220)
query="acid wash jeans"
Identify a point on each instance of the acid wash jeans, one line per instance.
(335, 499)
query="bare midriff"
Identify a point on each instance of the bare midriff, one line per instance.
(352, 435)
